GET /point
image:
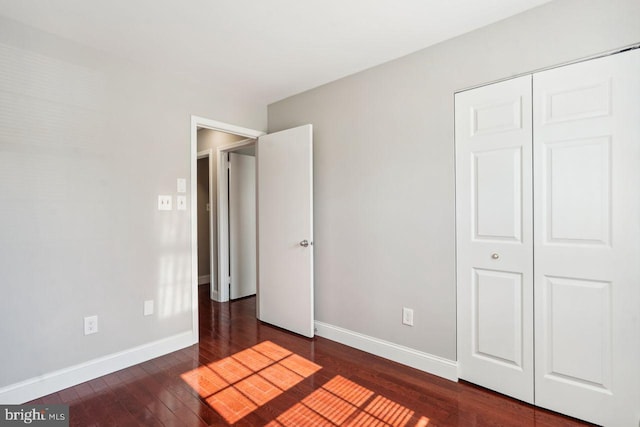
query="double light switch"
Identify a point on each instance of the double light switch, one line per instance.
(165, 202)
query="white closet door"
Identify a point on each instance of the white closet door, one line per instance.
(494, 237)
(587, 239)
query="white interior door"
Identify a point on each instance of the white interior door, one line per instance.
(494, 237)
(587, 243)
(242, 225)
(285, 229)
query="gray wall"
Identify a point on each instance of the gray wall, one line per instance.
(384, 165)
(87, 143)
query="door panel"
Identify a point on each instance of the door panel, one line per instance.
(577, 193)
(587, 242)
(496, 116)
(497, 333)
(285, 221)
(494, 237)
(242, 225)
(497, 192)
(579, 334)
(584, 100)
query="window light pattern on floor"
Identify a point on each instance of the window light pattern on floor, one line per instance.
(239, 384)
(341, 402)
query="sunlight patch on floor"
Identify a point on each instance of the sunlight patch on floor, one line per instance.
(341, 402)
(243, 382)
(239, 384)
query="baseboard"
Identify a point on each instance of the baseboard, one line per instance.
(204, 279)
(51, 382)
(426, 362)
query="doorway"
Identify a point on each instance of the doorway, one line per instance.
(236, 219)
(207, 136)
(205, 224)
(284, 171)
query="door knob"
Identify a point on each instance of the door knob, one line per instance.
(495, 256)
(304, 243)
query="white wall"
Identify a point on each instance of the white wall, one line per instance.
(87, 143)
(384, 166)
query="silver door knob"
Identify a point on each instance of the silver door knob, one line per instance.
(495, 256)
(304, 243)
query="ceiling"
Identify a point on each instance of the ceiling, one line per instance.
(265, 50)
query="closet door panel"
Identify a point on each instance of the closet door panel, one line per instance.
(587, 239)
(497, 334)
(494, 237)
(578, 318)
(577, 194)
(496, 189)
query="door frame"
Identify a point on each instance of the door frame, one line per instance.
(201, 122)
(223, 214)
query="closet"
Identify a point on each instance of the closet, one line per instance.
(548, 238)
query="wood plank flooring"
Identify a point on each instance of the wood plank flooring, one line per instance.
(247, 373)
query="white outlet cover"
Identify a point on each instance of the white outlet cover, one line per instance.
(164, 203)
(407, 316)
(90, 325)
(182, 185)
(181, 202)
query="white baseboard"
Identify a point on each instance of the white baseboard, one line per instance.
(51, 382)
(426, 362)
(204, 279)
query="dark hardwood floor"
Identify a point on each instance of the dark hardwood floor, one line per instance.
(247, 373)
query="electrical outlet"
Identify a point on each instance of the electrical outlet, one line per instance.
(181, 202)
(407, 316)
(148, 307)
(164, 203)
(90, 325)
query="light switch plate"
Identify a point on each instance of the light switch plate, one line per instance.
(182, 185)
(164, 203)
(181, 203)
(148, 307)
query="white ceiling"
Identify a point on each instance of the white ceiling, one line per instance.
(265, 49)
